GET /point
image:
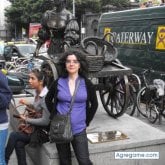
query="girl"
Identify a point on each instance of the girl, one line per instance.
(18, 140)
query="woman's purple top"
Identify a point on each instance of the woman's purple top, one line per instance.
(78, 113)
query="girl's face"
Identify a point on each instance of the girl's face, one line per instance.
(33, 81)
(72, 64)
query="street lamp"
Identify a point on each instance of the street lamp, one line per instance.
(74, 8)
(15, 31)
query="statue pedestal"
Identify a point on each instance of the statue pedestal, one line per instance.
(141, 137)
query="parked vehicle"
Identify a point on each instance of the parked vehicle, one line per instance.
(139, 35)
(16, 84)
(2, 59)
(18, 50)
(22, 51)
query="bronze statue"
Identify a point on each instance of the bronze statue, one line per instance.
(60, 27)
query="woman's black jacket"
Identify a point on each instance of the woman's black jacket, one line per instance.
(92, 102)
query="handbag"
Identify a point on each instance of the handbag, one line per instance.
(60, 125)
(26, 128)
(28, 112)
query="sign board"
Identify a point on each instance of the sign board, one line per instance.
(33, 30)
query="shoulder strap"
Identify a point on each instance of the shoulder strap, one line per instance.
(73, 97)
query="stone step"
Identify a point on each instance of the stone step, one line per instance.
(142, 137)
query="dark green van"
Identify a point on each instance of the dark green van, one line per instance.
(139, 35)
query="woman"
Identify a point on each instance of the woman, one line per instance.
(18, 140)
(74, 67)
(5, 97)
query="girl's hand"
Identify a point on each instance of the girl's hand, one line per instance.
(22, 117)
(23, 101)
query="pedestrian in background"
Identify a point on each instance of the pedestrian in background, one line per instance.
(5, 98)
(73, 68)
(18, 140)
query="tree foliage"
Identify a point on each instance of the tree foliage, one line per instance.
(85, 5)
(23, 12)
(96, 5)
(117, 3)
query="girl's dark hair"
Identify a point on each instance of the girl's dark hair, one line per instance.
(81, 57)
(40, 76)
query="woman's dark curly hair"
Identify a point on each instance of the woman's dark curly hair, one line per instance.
(81, 57)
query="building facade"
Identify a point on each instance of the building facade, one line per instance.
(91, 20)
(3, 29)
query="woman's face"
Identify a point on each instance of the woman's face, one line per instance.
(33, 81)
(72, 64)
